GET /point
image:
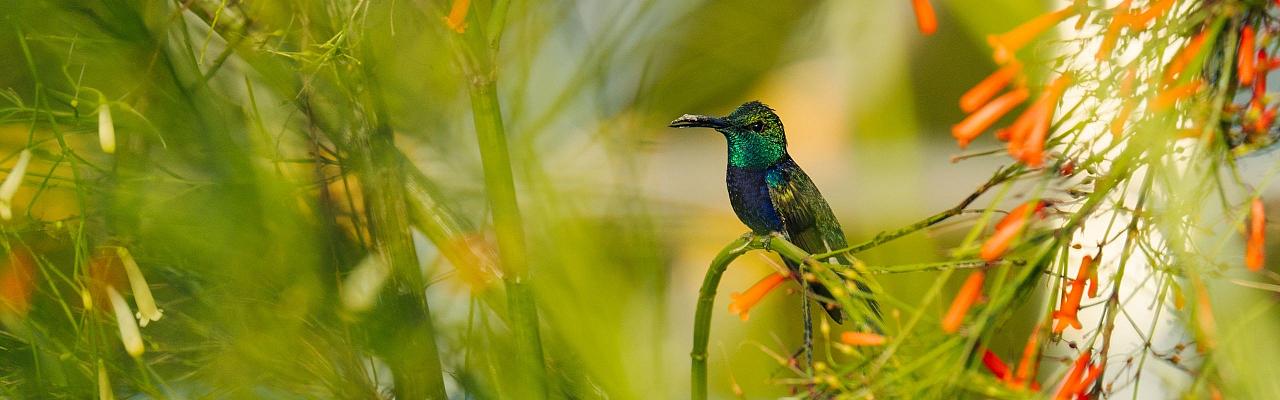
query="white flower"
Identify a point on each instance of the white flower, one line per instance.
(104, 384)
(147, 310)
(11, 184)
(129, 334)
(360, 289)
(106, 129)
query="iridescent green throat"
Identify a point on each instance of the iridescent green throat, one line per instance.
(753, 151)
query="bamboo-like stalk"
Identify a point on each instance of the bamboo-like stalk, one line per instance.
(417, 368)
(474, 49)
(389, 227)
(707, 300)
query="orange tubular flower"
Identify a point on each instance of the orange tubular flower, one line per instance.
(965, 298)
(1069, 385)
(1030, 359)
(1120, 15)
(1260, 85)
(1245, 56)
(1029, 148)
(742, 303)
(861, 339)
(457, 19)
(1166, 98)
(926, 20)
(1066, 314)
(1184, 57)
(1082, 388)
(1017, 133)
(983, 91)
(980, 120)
(17, 283)
(1007, 229)
(1007, 44)
(1126, 108)
(1204, 320)
(995, 365)
(1140, 20)
(1253, 254)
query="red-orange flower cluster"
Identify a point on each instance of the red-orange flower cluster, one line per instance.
(1254, 247)
(1028, 134)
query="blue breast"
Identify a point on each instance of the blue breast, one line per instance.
(749, 195)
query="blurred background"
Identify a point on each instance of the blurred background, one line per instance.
(243, 172)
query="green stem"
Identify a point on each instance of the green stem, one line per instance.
(887, 236)
(707, 300)
(476, 58)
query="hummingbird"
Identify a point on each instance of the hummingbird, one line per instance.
(771, 194)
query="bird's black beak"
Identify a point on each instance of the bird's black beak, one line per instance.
(698, 121)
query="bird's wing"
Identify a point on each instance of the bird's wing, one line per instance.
(808, 221)
(811, 225)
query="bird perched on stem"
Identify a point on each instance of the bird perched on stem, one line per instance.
(770, 193)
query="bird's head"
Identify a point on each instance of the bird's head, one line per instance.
(754, 131)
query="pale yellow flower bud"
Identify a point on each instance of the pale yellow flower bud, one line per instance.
(147, 310)
(360, 289)
(104, 384)
(11, 184)
(106, 129)
(129, 334)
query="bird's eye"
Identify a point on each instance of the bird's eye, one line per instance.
(757, 126)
